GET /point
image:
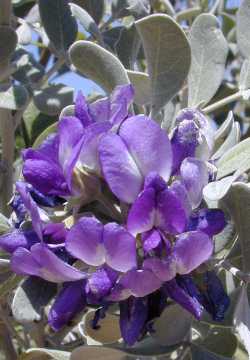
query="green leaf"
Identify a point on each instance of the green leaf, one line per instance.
(53, 98)
(209, 53)
(58, 22)
(86, 21)
(24, 33)
(232, 139)
(243, 28)
(50, 130)
(41, 353)
(30, 298)
(242, 318)
(8, 41)
(168, 335)
(235, 158)
(102, 66)
(188, 14)
(168, 57)
(127, 46)
(237, 203)
(141, 84)
(15, 97)
(95, 8)
(96, 353)
(223, 131)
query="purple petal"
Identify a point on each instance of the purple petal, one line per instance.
(165, 270)
(155, 181)
(171, 212)
(85, 241)
(119, 293)
(120, 247)
(150, 240)
(133, 316)
(101, 282)
(141, 215)
(140, 282)
(69, 302)
(89, 156)
(11, 241)
(120, 100)
(119, 168)
(55, 233)
(31, 206)
(81, 110)
(180, 296)
(148, 144)
(210, 221)
(23, 263)
(100, 110)
(42, 169)
(194, 174)
(191, 250)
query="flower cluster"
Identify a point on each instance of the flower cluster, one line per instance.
(133, 220)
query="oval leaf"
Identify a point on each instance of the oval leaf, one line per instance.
(41, 353)
(101, 66)
(141, 84)
(58, 22)
(168, 57)
(244, 83)
(209, 52)
(243, 28)
(15, 98)
(96, 353)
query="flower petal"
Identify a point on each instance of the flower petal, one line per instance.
(140, 282)
(171, 212)
(69, 302)
(191, 250)
(148, 144)
(81, 110)
(141, 215)
(100, 110)
(165, 270)
(11, 241)
(101, 282)
(150, 240)
(210, 221)
(23, 263)
(31, 206)
(119, 168)
(195, 175)
(120, 247)
(85, 241)
(133, 316)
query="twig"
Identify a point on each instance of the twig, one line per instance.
(225, 264)
(223, 102)
(11, 328)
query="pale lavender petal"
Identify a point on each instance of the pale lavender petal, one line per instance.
(141, 215)
(191, 250)
(148, 144)
(69, 302)
(101, 282)
(31, 206)
(119, 168)
(133, 316)
(165, 270)
(11, 241)
(89, 156)
(150, 240)
(194, 174)
(121, 93)
(100, 110)
(179, 189)
(140, 282)
(70, 131)
(120, 247)
(51, 268)
(81, 110)
(171, 212)
(85, 241)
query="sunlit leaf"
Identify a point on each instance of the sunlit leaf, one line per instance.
(96, 353)
(243, 28)
(42, 353)
(141, 84)
(242, 318)
(14, 98)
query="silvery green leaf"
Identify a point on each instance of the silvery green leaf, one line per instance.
(216, 190)
(119, 8)
(4, 265)
(8, 41)
(38, 353)
(168, 7)
(4, 224)
(141, 84)
(50, 130)
(199, 353)
(172, 335)
(244, 82)
(221, 134)
(243, 28)
(28, 71)
(188, 14)
(24, 34)
(95, 8)
(58, 22)
(14, 98)
(53, 98)
(242, 318)
(97, 353)
(86, 21)
(67, 111)
(168, 57)
(20, 2)
(224, 238)
(33, 16)
(112, 36)
(127, 46)
(228, 22)
(102, 66)
(235, 158)
(138, 8)
(30, 298)
(209, 53)
(168, 119)
(232, 139)
(237, 203)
